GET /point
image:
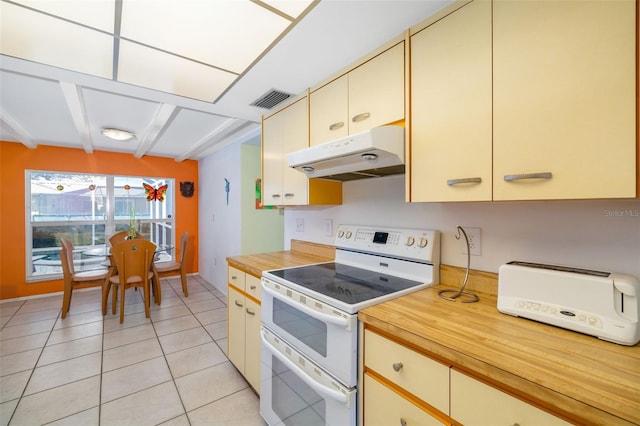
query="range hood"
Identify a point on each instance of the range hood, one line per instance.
(372, 153)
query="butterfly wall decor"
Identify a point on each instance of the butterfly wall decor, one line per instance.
(155, 193)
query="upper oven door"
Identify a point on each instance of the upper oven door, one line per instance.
(324, 334)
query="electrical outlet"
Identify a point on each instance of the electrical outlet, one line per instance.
(475, 241)
(299, 224)
(328, 228)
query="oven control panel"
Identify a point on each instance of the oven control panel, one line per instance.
(414, 244)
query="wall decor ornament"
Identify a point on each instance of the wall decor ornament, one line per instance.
(155, 193)
(186, 189)
(226, 188)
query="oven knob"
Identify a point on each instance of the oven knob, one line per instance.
(423, 242)
(349, 234)
(340, 234)
(410, 241)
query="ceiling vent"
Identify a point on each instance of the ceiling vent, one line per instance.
(270, 99)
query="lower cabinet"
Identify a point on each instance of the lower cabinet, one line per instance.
(473, 402)
(405, 387)
(243, 322)
(383, 407)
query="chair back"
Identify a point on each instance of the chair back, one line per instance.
(121, 236)
(133, 259)
(183, 247)
(66, 258)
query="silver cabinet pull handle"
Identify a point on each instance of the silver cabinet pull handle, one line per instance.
(253, 287)
(288, 195)
(361, 117)
(275, 195)
(464, 180)
(233, 277)
(238, 304)
(397, 366)
(250, 312)
(403, 422)
(542, 175)
(336, 126)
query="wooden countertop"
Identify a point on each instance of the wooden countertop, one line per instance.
(301, 253)
(585, 380)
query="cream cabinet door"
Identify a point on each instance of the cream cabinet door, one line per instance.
(252, 344)
(451, 152)
(252, 286)
(376, 91)
(236, 328)
(564, 99)
(329, 112)
(296, 136)
(423, 377)
(474, 403)
(285, 131)
(236, 277)
(272, 158)
(383, 407)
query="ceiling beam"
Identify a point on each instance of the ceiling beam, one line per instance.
(213, 137)
(241, 135)
(75, 102)
(10, 123)
(161, 119)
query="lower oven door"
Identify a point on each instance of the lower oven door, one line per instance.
(295, 391)
(325, 335)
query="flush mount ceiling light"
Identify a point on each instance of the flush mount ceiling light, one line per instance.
(117, 134)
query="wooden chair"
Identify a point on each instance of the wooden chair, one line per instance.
(73, 279)
(121, 236)
(170, 268)
(133, 260)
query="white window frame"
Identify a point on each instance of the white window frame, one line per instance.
(158, 226)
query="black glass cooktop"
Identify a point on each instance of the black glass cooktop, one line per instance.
(345, 283)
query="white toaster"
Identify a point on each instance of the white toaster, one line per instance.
(601, 304)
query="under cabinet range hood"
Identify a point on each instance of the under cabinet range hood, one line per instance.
(372, 153)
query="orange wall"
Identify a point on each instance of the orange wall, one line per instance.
(15, 158)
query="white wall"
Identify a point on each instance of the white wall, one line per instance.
(237, 228)
(598, 234)
(219, 223)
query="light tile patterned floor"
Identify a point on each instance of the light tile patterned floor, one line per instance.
(170, 369)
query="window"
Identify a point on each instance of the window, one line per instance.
(87, 209)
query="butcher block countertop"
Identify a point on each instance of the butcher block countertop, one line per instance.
(301, 253)
(577, 377)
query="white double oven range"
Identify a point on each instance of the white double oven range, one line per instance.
(309, 332)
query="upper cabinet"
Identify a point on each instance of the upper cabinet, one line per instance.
(368, 96)
(516, 100)
(284, 132)
(564, 99)
(451, 107)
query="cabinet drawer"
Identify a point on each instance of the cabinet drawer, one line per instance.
(384, 407)
(236, 278)
(423, 377)
(252, 286)
(473, 402)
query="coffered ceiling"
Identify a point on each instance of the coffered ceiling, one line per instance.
(182, 75)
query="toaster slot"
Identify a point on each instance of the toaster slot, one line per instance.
(561, 268)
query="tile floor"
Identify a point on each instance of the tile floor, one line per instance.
(170, 369)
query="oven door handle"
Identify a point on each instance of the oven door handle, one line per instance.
(302, 375)
(333, 319)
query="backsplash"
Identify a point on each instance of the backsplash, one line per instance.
(595, 234)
